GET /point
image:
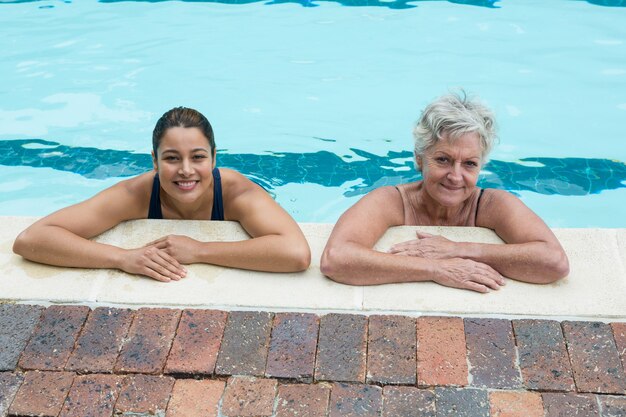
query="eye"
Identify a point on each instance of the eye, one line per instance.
(199, 156)
(472, 164)
(170, 158)
(441, 159)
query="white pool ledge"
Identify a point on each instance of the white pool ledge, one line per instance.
(594, 290)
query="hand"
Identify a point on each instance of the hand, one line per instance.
(154, 263)
(427, 246)
(467, 274)
(181, 248)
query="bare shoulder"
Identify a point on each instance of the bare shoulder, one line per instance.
(510, 218)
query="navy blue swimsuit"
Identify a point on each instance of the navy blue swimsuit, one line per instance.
(217, 213)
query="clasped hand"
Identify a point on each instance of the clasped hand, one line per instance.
(451, 268)
(162, 259)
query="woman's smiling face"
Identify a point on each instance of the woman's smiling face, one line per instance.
(184, 163)
(450, 169)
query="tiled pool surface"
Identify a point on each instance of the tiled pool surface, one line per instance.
(77, 342)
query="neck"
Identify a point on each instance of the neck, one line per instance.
(429, 212)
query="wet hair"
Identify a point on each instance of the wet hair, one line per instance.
(182, 117)
(454, 115)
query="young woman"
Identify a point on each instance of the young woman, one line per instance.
(452, 140)
(185, 184)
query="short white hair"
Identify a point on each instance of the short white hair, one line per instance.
(454, 115)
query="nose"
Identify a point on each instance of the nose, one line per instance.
(186, 168)
(455, 173)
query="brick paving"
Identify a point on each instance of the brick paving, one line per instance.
(73, 361)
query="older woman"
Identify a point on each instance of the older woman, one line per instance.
(452, 140)
(185, 184)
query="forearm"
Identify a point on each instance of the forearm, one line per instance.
(54, 245)
(536, 262)
(352, 264)
(270, 253)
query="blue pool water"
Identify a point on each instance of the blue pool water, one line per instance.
(314, 99)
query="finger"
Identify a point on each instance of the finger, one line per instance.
(162, 271)
(171, 261)
(158, 262)
(151, 273)
(474, 286)
(423, 235)
(492, 273)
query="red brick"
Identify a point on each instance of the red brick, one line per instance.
(17, 322)
(101, 340)
(292, 346)
(191, 398)
(619, 334)
(149, 341)
(303, 400)
(197, 342)
(9, 384)
(491, 353)
(355, 400)
(245, 344)
(441, 351)
(42, 393)
(556, 404)
(515, 404)
(612, 406)
(461, 402)
(342, 348)
(144, 394)
(593, 354)
(92, 396)
(408, 402)
(391, 350)
(249, 397)
(53, 340)
(543, 356)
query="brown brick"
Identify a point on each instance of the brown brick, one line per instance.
(342, 348)
(491, 353)
(391, 350)
(249, 397)
(17, 322)
(408, 402)
(612, 406)
(461, 402)
(191, 398)
(42, 393)
(543, 356)
(53, 340)
(245, 344)
(149, 341)
(352, 400)
(619, 334)
(303, 400)
(292, 346)
(197, 342)
(556, 404)
(9, 384)
(593, 354)
(516, 404)
(101, 340)
(144, 394)
(441, 351)
(92, 396)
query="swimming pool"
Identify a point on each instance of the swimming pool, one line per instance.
(315, 100)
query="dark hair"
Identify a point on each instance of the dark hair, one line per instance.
(182, 117)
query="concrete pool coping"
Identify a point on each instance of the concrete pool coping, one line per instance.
(594, 290)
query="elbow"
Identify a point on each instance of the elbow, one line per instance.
(557, 268)
(332, 266)
(300, 257)
(21, 244)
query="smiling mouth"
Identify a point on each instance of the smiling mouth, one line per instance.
(186, 185)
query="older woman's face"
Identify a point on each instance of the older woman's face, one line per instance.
(450, 170)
